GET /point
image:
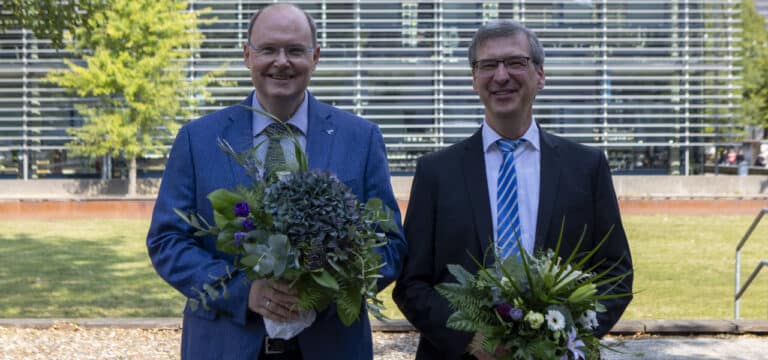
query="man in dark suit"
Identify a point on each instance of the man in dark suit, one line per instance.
(281, 54)
(459, 198)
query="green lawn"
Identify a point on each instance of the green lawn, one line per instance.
(99, 268)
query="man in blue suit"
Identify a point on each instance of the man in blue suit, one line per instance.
(281, 54)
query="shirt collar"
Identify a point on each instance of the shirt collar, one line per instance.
(490, 136)
(299, 119)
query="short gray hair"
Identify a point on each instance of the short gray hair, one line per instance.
(310, 20)
(506, 28)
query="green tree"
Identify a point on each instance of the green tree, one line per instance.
(48, 19)
(754, 57)
(134, 54)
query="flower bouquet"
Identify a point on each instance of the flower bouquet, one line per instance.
(304, 227)
(535, 307)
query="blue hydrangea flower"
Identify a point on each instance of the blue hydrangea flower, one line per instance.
(508, 312)
(242, 209)
(248, 225)
(239, 237)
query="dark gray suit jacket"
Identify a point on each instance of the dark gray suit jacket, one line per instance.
(449, 217)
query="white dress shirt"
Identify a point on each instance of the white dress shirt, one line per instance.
(528, 168)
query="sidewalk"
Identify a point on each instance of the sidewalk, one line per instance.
(396, 340)
(622, 328)
(688, 348)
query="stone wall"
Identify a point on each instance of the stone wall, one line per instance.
(631, 187)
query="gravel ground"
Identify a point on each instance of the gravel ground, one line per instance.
(70, 342)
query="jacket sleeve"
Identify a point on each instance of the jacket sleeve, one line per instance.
(182, 259)
(615, 250)
(414, 292)
(378, 184)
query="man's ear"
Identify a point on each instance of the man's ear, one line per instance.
(246, 56)
(315, 57)
(542, 77)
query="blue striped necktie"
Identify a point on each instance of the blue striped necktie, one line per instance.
(507, 217)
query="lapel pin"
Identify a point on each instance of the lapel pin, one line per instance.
(330, 131)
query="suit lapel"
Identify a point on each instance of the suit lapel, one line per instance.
(321, 131)
(239, 134)
(550, 180)
(476, 186)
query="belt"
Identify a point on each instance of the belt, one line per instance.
(280, 346)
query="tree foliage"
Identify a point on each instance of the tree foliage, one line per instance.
(133, 67)
(48, 19)
(754, 56)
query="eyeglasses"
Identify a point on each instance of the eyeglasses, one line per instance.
(513, 64)
(272, 52)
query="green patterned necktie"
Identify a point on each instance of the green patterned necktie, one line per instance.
(275, 158)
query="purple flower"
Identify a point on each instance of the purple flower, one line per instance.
(248, 225)
(508, 312)
(574, 344)
(239, 237)
(242, 209)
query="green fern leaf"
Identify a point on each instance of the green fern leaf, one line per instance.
(348, 305)
(461, 322)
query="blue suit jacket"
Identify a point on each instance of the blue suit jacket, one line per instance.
(344, 144)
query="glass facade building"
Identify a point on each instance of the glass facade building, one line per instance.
(653, 83)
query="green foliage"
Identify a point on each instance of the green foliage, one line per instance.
(754, 77)
(304, 227)
(49, 19)
(133, 65)
(506, 304)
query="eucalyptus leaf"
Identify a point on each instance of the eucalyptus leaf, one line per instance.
(251, 260)
(464, 277)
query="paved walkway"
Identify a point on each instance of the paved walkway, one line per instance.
(689, 348)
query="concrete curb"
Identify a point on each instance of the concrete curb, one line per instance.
(623, 327)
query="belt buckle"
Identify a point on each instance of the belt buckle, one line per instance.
(274, 346)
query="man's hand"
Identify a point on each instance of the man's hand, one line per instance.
(482, 355)
(273, 300)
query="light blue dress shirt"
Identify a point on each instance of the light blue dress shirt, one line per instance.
(528, 168)
(299, 119)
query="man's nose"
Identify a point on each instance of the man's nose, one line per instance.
(501, 74)
(281, 57)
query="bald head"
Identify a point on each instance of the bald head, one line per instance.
(280, 8)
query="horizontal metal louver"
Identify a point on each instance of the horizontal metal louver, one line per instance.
(653, 83)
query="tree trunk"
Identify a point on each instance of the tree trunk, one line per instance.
(132, 177)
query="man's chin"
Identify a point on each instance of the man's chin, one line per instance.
(283, 96)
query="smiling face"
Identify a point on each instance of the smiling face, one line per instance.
(507, 95)
(280, 81)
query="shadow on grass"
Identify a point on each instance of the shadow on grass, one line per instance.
(68, 277)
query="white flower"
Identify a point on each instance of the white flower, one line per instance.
(588, 319)
(555, 320)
